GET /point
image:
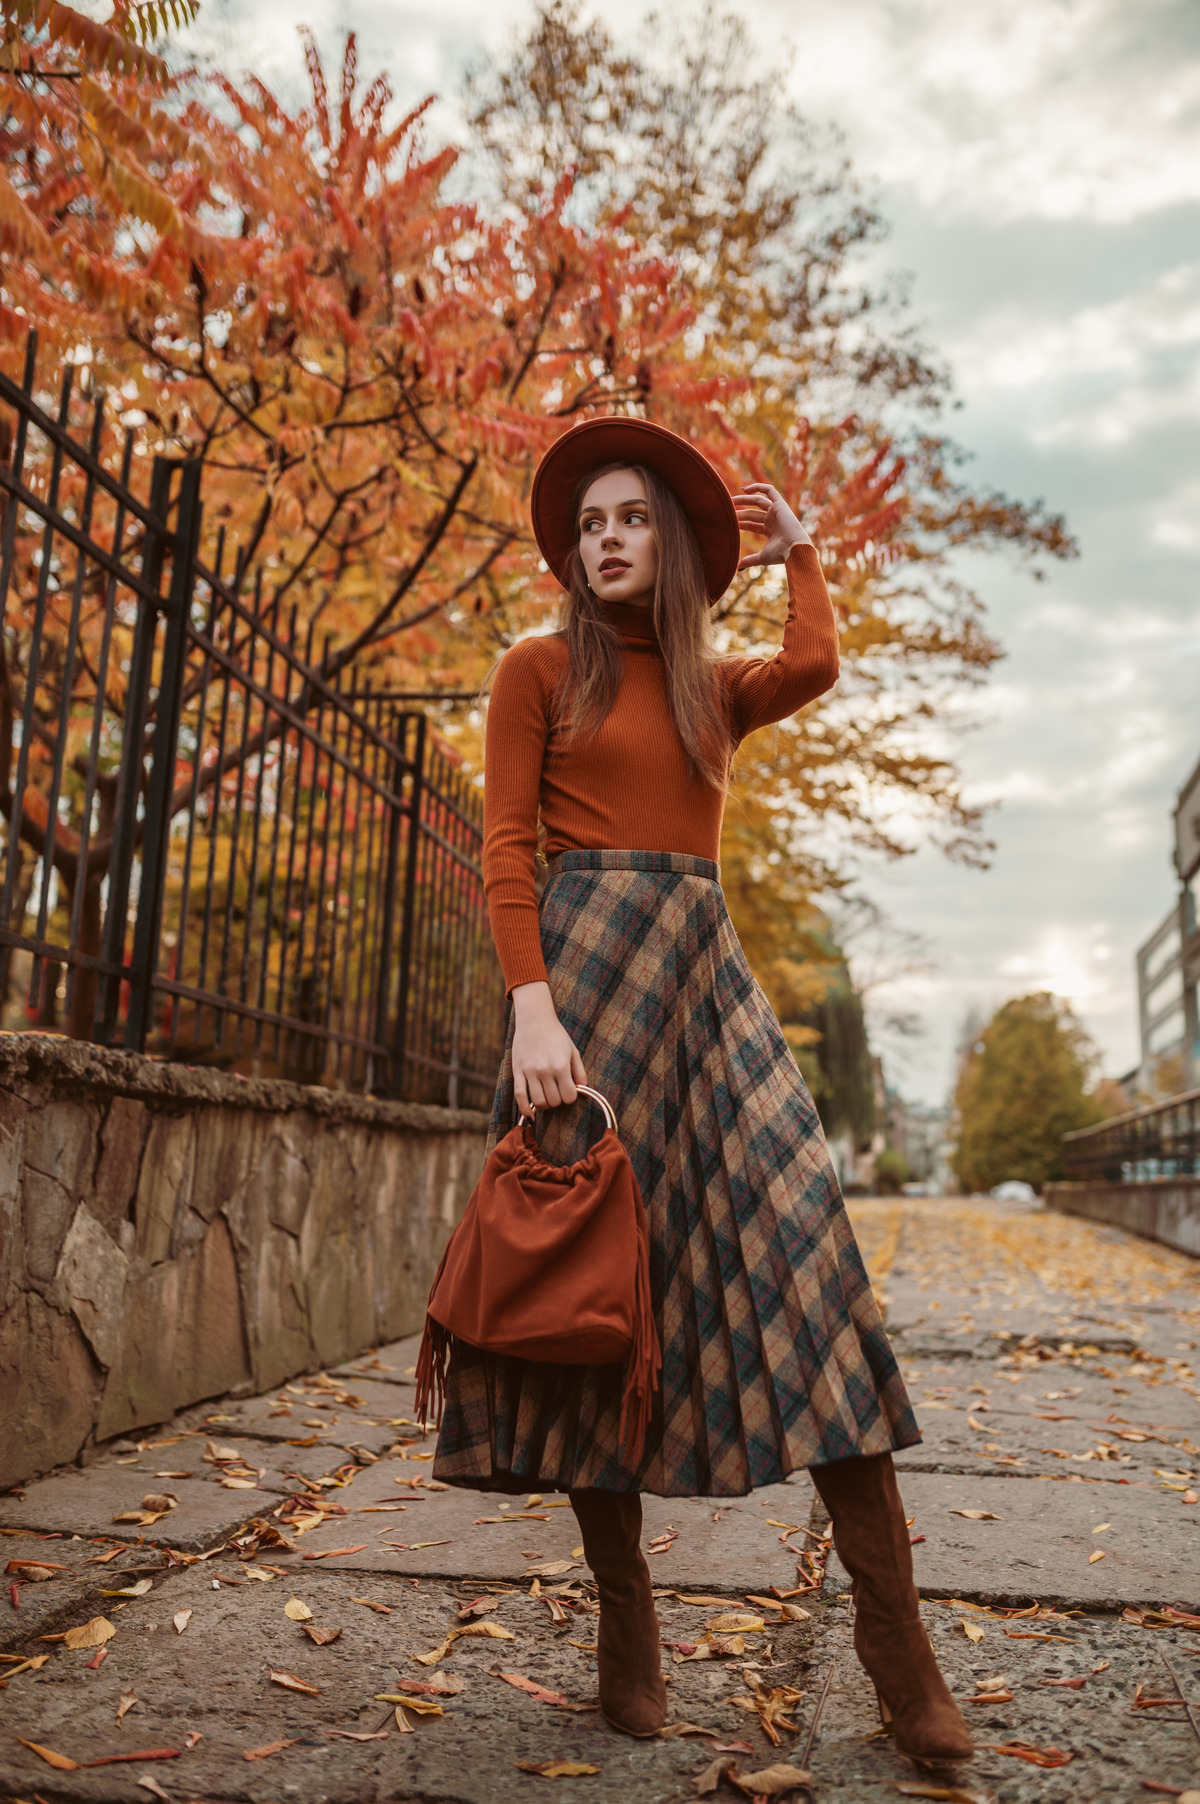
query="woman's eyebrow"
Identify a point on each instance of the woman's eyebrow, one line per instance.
(637, 502)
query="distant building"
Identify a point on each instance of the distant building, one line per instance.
(1168, 972)
(922, 1133)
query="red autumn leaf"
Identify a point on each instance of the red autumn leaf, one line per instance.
(535, 1690)
(1025, 1750)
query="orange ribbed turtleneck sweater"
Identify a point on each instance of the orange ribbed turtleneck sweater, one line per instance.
(629, 787)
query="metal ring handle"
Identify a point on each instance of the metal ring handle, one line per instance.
(610, 1119)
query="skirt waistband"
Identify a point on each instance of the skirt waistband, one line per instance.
(682, 863)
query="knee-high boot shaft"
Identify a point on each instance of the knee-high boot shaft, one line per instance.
(872, 1541)
(633, 1695)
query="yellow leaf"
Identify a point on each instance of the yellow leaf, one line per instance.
(555, 1769)
(61, 1761)
(297, 1611)
(971, 1630)
(138, 1590)
(735, 1622)
(1099, 1530)
(290, 1682)
(181, 1619)
(90, 1634)
(977, 1515)
(402, 1722)
(1099, 1554)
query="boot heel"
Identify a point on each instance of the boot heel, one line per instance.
(885, 1715)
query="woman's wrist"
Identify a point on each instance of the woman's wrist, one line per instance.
(532, 999)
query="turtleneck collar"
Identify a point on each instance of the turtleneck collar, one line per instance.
(635, 624)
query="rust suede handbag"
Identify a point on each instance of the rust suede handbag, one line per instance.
(550, 1263)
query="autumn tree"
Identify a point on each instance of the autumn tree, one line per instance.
(1024, 1083)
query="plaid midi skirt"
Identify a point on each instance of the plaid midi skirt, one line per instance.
(774, 1353)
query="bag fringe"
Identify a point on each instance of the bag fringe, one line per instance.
(644, 1365)
(433, 1357)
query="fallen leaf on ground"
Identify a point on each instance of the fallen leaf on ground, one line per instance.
(550, 1569)
(193, 1738)
(1102, 1666)
(160, 1502)
(706, 1782)
(142, 1518)
(950, 1794)
(422, 1705)
(181, 1619)
(263, 1574)
(402, 1722)
(1025, 1750)
(61, 1761)
(770, 1781)
(532, 1687)
(360, 1734)
(370, 1604)
(671, 1731)
(149, 1783)
(970, 1629)
(494, 1630)
(555, 1769)
(977, 1515)
(991, 1697)
(322, 1637)
(125, 1704)
(136, 1590)
(297, 1611)
(271, 1747)
(773, 1707)
(33, 1572)
(719, 1603)
(442, 1685)
(90, 1634)
(1099, 1554)
(290, 1682)
(735, 1622)
(142, 1754)
(482, 1606)
(336, 1553)
(1067, 1684)
(97, 1660)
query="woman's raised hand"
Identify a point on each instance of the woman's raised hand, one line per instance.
(761, 508)
(547, 1070)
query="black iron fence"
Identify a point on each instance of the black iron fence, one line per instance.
(212, 849)
(1161, 1141)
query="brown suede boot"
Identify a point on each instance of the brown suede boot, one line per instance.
(871, 1537)
(633, 1695)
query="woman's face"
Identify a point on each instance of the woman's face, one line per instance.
(620, 557)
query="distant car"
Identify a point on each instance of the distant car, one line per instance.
(1014, 1190)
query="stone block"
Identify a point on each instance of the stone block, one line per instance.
(225, 1144)
(47, 1210)
(12, 1124)
(48, 1388)
(165, 1185)
(284, 1175)
(182, 1338)
(84, 1502)
(122, 1139)
(90, 1281)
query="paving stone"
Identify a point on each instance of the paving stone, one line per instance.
(1040, 1547)
(84, 1502)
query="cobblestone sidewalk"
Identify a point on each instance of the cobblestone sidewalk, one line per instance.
(250, 1589)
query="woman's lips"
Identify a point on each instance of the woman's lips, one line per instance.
(612, 567)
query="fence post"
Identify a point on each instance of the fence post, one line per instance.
(400, 1043)
(383, 987)
(130, 775)
(144, 959)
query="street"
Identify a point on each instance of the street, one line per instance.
(262, 1579)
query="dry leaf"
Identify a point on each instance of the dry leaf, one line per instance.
(442, 1685)
(297, 1611)
(193, 1738)
(1025, 1750)
(290, 1682)
(61, 1761)
(551, 1568)
(125, 1704)
(322, 1637)
(1099, 1554)
(977, 1515)
(950, 1794)
(160, 1502)
(494, 1630)
(335, 1553)
(532, 1687)
(271, 1747)
(708, 1781)
(90, 1634)
(770, 1781)
(735, 1622)
(136, 1590)
(1102, 1666)
(181, 1619)
(1067, 1684)
(482, 1606)
(720, 1603)
(402, 1722)
(33, 1572)
(370, 1604)
(142, 1754)
(970, 1629)
(149, 1783)
(1001, 1696)
(555, 1769)
(260, 1573)
(360, 1734)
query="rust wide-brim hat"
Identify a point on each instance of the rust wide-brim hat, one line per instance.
(614, 439)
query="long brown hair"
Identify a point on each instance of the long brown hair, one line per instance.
(681, 620)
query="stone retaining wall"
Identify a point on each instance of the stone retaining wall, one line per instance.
(1167, 1209)
(168, 1235)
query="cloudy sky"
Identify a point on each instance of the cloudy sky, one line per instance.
(1040, 163)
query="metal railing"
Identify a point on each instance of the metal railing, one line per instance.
(213, 850)
(1158, 1142)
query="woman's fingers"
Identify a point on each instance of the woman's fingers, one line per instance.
(577, 1071)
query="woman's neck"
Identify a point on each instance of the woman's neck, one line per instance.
(632, 620)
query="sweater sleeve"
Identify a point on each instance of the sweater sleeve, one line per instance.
(761, 690)
(517, 727)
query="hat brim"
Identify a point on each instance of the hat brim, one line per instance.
(615, 439)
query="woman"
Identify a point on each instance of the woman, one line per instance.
(618, 733)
